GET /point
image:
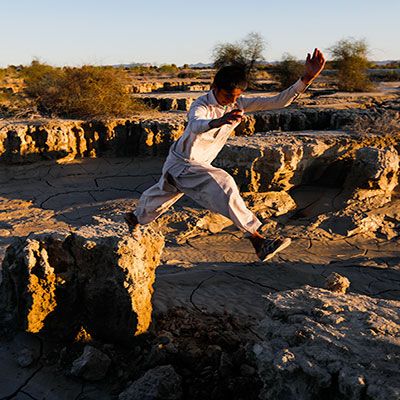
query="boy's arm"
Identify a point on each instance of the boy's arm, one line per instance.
(199, 122)
(283, 99)
(198, 118)
(313, 66)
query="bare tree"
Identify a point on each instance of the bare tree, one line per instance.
(247, 52)
(254, 47)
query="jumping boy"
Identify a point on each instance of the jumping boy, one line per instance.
(188, 170)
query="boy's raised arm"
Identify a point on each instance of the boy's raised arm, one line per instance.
(312, 68)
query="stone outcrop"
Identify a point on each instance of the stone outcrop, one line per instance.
(281, 161)
(27, 141)
(269, 204)
(295, 119)
(374, 173)
(316, 344)
(337, 283)
(54, 139)
(57, 283)
(367, 188)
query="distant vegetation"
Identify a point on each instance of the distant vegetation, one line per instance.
(86, 92)
(92, 92)
(168, 70)
(246, 53)
(289, 70)
(350, 58)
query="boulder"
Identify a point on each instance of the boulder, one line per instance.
(374, 172)
(56, 283)
(180, 226)
(92, 365)
(337, 283)
(350, 221)
(316, 344)
(160, 383)
(269, 204)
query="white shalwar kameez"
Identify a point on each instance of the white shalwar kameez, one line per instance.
(188, 170)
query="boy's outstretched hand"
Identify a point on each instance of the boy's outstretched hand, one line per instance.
(313, 67)
(229, 118)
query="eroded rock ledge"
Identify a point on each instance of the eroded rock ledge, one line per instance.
(318, 344)
(58, 283)
(280, 161)
(28, 141)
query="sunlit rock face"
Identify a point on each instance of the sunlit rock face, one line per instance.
(316, 343)
(30, 141)
(57, 283)
(281, 161)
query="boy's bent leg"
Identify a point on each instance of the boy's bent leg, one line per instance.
(155, 201)
(214, 189)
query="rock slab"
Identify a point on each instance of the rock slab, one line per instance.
(57, 283)
(318, 344)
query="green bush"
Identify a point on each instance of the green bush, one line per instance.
(87, 92)
(351, 61)
(170, 69)
(289, 70)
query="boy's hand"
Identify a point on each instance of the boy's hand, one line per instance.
(230, 118)
(313, 66)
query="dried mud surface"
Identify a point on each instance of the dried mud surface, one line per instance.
(208, 292)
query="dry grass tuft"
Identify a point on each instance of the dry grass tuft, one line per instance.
(384, 123)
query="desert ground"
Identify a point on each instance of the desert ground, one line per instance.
(185, 309)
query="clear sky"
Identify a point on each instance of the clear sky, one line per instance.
(77, 32)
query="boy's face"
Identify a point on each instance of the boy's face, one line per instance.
(225, 97)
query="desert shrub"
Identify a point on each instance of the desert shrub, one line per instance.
(289, 70)
(40, 79)
(3, 73)
(351, 61)
(188, 74)
(87, 92)
(142, 70)
(170, 69)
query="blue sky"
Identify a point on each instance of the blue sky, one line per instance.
(173, 31)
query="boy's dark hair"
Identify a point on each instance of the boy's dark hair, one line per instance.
(231, 77)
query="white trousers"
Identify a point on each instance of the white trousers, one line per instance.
(212, 188)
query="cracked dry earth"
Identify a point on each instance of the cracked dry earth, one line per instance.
(214, 274)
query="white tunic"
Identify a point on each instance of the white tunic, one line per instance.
(188, 168)
(199, 144)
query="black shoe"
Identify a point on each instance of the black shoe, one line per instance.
(269, 247)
